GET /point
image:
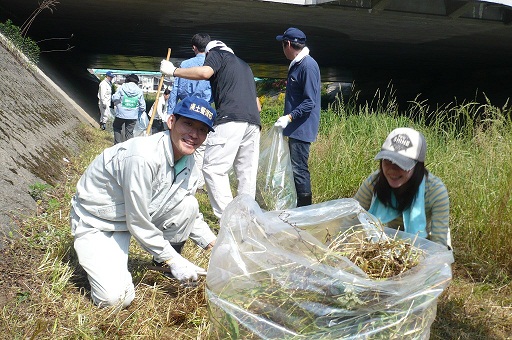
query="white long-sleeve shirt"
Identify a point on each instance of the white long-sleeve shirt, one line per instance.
(105, 93)
(161, 109)
(132, 186)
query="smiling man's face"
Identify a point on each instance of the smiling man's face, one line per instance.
(186, 135)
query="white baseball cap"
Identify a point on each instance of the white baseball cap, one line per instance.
(404, 147)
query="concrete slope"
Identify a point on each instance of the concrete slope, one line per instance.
(38, 129)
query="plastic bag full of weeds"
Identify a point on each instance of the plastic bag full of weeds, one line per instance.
(272, 276)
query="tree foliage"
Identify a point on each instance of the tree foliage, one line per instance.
(25, 44)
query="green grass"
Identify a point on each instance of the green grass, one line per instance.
(469, 148)
(23, 43)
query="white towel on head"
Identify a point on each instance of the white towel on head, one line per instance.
(217, 43)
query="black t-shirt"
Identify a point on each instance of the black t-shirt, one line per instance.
(233, 88)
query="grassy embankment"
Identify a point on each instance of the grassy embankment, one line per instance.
(469, 148)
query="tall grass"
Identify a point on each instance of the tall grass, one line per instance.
(23, 43)
(469, 148)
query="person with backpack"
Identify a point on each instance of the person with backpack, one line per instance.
(129, 106)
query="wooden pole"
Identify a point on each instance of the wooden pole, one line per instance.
(148, 129)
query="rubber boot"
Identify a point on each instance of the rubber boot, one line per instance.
(304, 199)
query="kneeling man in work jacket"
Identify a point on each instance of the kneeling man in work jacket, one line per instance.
(143, 188)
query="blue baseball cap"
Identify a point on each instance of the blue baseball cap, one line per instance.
(198, 109)
(293, 34)
(109, 74)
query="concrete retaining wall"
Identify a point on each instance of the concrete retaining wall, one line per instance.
(38, 130)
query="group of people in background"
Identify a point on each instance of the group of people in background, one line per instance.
(210, 124)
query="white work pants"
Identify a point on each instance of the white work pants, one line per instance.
(104, 114)
(199, 159)
(104, 256)
(233, 145)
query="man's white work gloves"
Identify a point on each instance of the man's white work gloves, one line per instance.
(283, 121)
(183, 270)
(167, 68)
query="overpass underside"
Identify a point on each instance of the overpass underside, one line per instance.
(485, 10)
(440, 49)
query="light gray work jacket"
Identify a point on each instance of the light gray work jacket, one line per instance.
(132, 186)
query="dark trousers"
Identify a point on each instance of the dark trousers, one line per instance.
(118, 125)
(299, 154)
(178, 246)
(157, 126)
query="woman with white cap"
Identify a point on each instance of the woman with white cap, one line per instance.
(403, 194)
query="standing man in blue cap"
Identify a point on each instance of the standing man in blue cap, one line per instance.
(144, 188)
(105, 98)
(301, 117)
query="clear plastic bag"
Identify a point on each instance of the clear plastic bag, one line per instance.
(275, 188)
(271, 276)
(141, 125)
